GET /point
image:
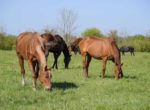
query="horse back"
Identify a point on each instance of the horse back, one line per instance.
(99, 47)
(28, 43)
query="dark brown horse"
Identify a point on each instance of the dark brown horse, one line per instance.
(60, 46)
(74, 45)
(103, 49)
(31, 47)
(124, 49)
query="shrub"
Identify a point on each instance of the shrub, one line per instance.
(7, 42)
(92, 32)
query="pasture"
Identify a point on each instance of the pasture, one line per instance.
(71, 91)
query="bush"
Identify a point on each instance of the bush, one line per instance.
(92, 32)
(7, 42)
(139, 42)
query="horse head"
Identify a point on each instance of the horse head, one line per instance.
(45, 78)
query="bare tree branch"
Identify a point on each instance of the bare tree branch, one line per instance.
(67, 20)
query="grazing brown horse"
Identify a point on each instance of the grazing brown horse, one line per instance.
(60, 46)
(74, 45)
(103, 49)
(31, 47)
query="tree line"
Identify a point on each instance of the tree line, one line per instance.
(140, 42)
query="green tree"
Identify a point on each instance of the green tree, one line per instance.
(92, 32)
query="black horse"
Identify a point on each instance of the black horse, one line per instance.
(60, 46)
(124, 49)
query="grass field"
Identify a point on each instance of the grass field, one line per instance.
(72, 92)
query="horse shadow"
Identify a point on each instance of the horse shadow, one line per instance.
(75, 67)
(64, 85)
(124, 77)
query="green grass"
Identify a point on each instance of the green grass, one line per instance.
(72, 92)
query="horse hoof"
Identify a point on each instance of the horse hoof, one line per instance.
(34, 89)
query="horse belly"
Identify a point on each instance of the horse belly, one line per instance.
(95, 53)
(99, 53)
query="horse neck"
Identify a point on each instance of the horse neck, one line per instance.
(65, 51)
(41, 58)
(117, 55)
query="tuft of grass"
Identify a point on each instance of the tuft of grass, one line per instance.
(71, 91)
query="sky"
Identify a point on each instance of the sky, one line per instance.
(127, 16)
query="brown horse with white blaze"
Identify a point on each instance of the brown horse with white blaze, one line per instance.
(103, 49)
(31, 47)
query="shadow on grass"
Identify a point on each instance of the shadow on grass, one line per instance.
(124, 77)
(63, 85)
(75, 67)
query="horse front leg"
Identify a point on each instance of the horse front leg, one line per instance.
(46, 55)
(32, 69)
(104, 61)
(116, 72)
(132, 53)
(57, 55)
(85, 72)
(55, 61)
(88, 60)
(22, 70)
(36, 68)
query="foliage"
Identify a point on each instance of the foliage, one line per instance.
(92, 32)
(139, 42)
(7, 42)
(71, 91)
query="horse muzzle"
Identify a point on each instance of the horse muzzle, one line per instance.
(47, 88)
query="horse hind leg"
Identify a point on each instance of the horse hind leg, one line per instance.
(22, 70)
(36, 69)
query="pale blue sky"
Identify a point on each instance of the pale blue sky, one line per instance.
(127, 16)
